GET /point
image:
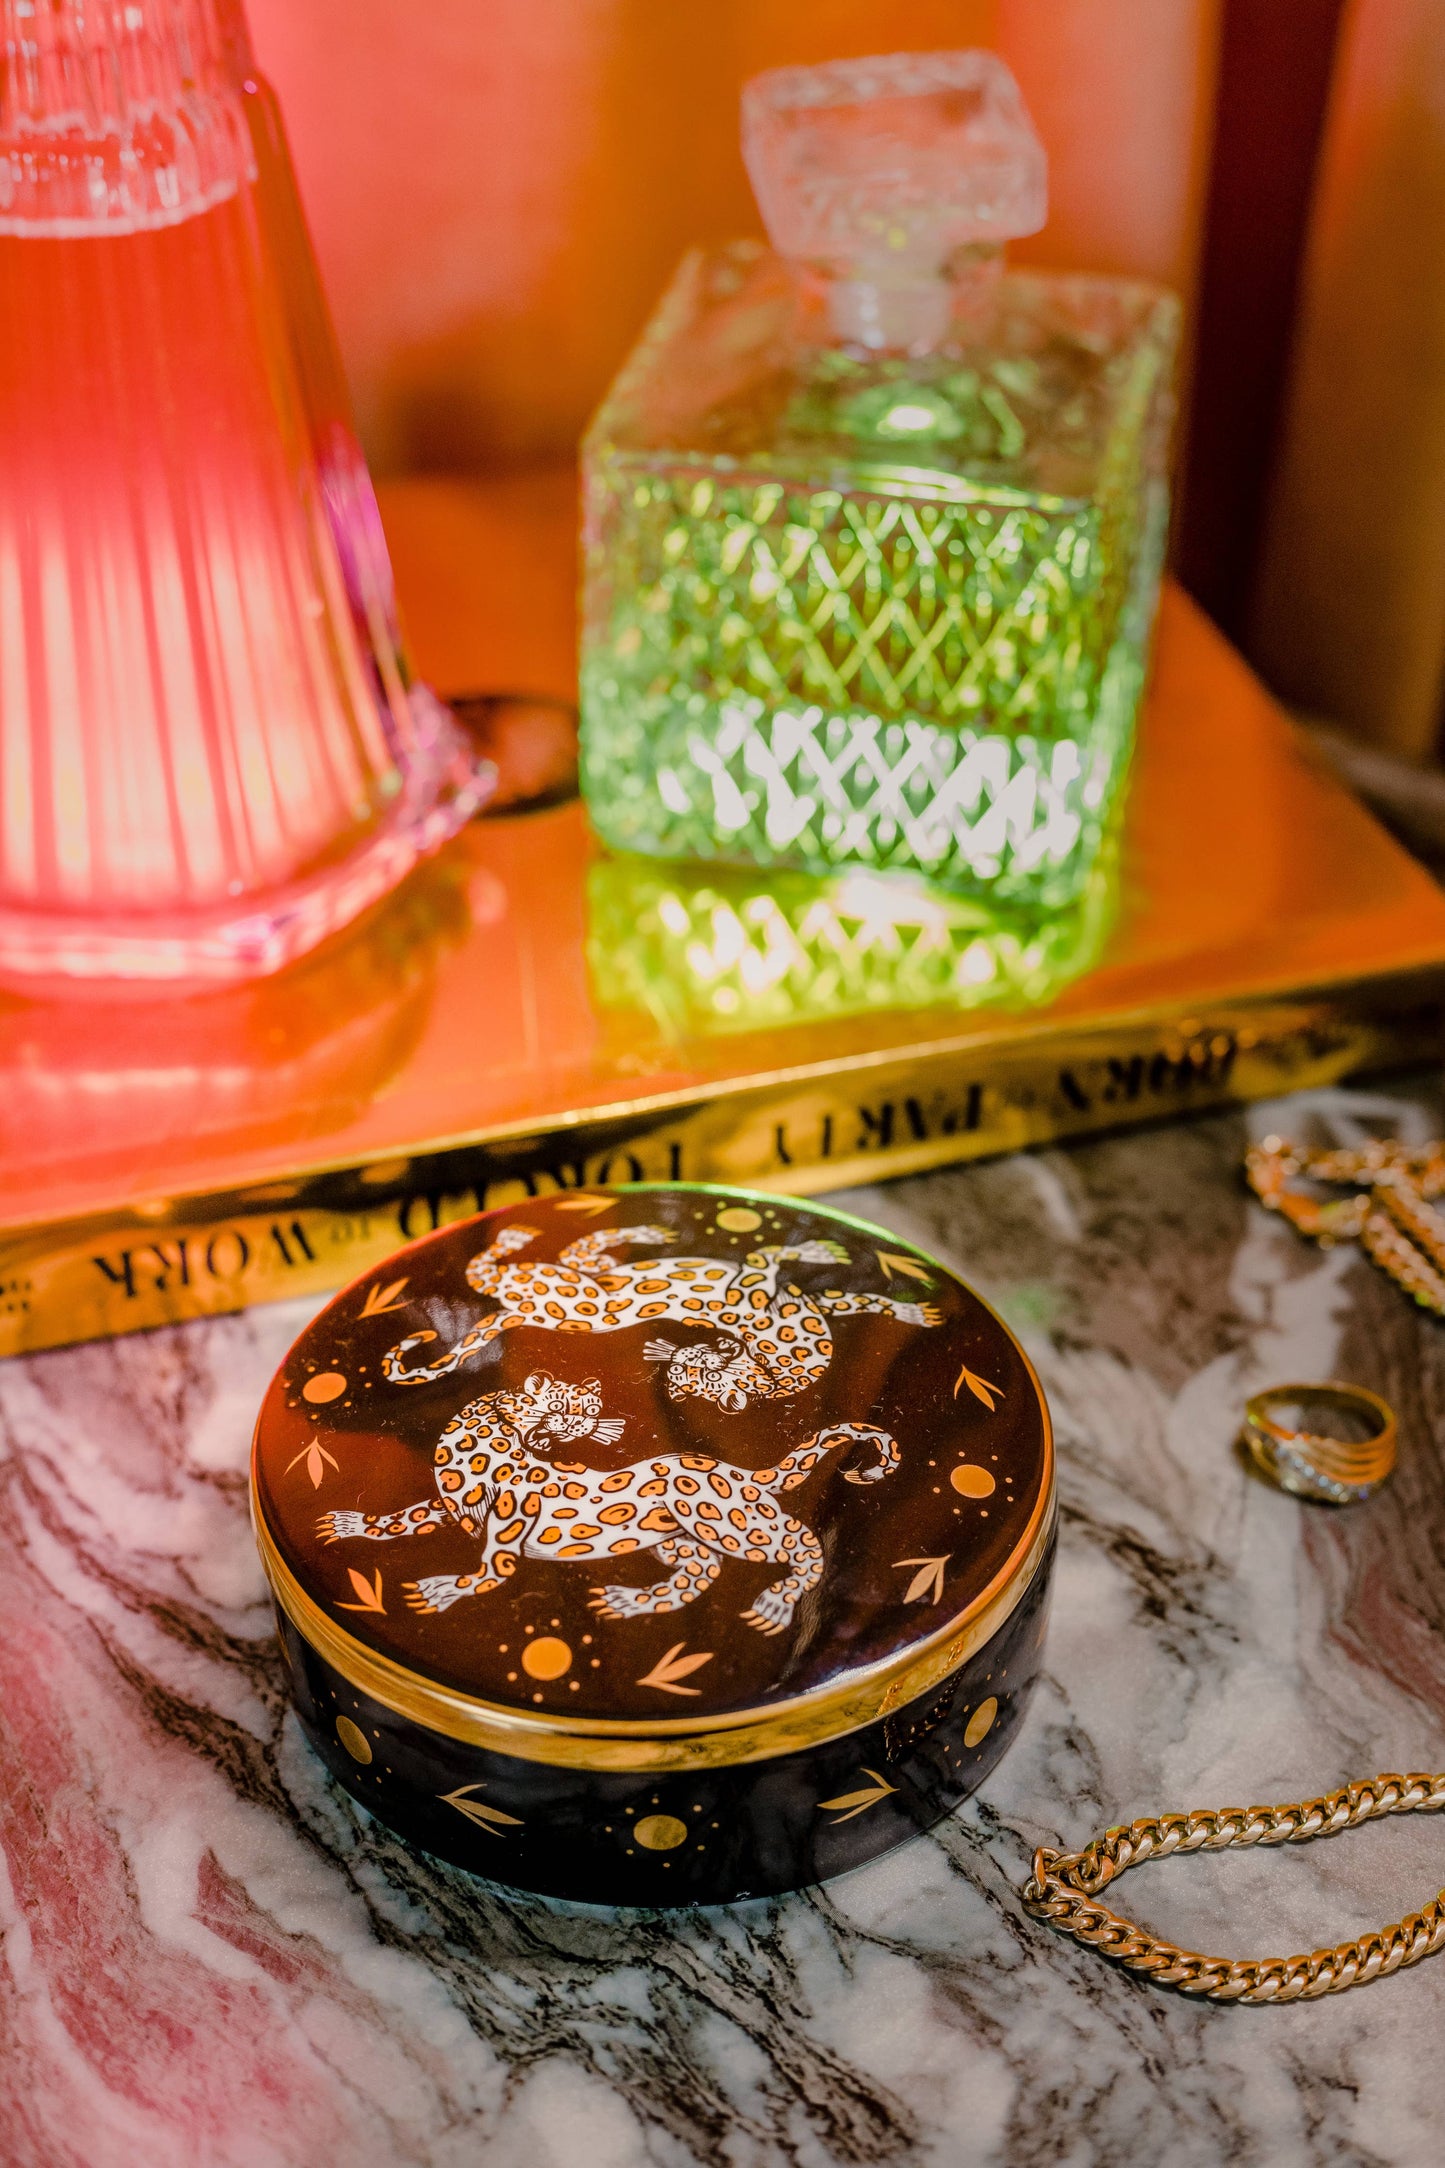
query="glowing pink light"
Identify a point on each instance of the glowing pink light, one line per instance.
(209, 755)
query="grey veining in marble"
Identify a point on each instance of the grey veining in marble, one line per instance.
(212, 1957)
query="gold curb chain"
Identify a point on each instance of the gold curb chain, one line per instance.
(1064, 1888)
(1390, 1216)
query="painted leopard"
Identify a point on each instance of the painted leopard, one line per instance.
(776, 1338)
(695, 1512)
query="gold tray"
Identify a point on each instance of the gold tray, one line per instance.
(166, 1160)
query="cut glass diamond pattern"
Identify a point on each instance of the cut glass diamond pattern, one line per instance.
(820, 679)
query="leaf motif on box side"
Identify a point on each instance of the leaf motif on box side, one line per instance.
(491, 1819)
(860, 1801)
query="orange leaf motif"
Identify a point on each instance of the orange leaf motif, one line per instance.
(379, 1299)
(979, 1387)
(370, 1597)
(314, 1455)
(910, 1266)
(476, 1810)
(585, 1204)
(668, 1669)
(926, 1585)
(859, 1802)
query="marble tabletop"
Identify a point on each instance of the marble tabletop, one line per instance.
(212, 1959)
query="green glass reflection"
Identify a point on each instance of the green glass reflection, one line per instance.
(722, 949)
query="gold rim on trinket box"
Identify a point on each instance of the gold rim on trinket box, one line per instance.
(1312, 1464)
(678, 1743)
(601, 1743)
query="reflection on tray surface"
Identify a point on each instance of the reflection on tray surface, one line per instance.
(710, 950)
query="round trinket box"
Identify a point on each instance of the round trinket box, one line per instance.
(657, 1545)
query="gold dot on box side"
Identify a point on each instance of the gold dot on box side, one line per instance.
(739, 1219)
(972, 1482)
(980, 1724)
(660, 1832)
(326, 1385)
(354, 1739)
(546, 1657)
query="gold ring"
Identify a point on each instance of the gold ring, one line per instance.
(1311, 1463)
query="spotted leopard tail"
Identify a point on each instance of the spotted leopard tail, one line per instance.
(799, 1466)
(484, 1274)
(476, 1336)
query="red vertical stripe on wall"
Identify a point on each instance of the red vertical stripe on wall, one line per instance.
(1275, 63)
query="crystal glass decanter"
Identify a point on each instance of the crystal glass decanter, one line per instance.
(873, 525)
(211, 752)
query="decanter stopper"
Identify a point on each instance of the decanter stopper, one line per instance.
(886, 176)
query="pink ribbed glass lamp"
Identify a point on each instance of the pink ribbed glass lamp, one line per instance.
(211, 751)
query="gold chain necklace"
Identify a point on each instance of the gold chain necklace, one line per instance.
(1390, 1214)
(1064, 1890)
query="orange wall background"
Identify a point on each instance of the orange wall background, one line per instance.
(499, 190)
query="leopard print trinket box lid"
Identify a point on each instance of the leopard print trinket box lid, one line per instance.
(652, 1545)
